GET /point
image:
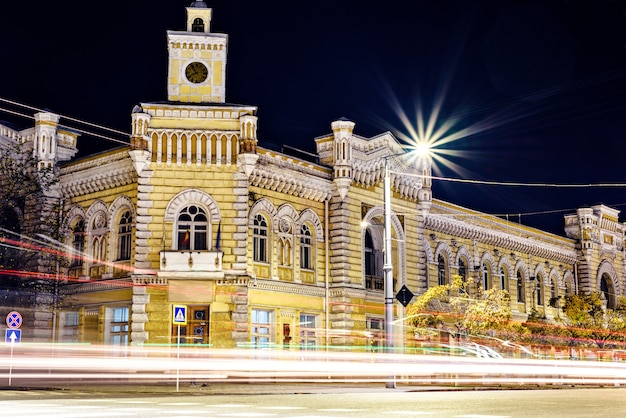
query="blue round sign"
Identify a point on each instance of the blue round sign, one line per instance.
(14, 320)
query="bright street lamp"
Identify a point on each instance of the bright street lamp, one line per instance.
(419, 152)
(388, 270)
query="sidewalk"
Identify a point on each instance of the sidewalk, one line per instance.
(125, 389)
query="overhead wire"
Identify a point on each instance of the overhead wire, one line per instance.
(447, 179)
(73, 128)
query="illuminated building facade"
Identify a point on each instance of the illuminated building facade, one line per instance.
(279, 248)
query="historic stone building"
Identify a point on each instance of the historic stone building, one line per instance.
(277, 248)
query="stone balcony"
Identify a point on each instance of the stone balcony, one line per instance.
(205, 263)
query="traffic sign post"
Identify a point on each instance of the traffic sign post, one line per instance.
(179, 317)
(13, 335)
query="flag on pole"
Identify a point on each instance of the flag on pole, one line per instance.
(185, 245)
(219, 236)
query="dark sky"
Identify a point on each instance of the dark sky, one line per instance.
(530, 91)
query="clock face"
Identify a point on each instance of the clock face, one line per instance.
(196, 72)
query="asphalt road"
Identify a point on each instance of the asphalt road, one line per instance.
(359, 402)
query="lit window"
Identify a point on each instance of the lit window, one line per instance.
(192, 226)
(261, 328)
(308, 340)
(118, 331)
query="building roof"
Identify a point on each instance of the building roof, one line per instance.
(199, 5)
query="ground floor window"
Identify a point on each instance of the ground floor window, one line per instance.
(261, 331)
(68, 327)
(375, 333)
(308, 338)
(118, 325)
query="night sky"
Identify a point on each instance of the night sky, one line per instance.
(529, 92)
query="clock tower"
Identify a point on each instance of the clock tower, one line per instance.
(197, 60)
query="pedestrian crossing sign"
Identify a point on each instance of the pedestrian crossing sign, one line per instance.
(179, 315)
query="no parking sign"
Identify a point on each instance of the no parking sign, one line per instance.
(14, 320)
(13, 334)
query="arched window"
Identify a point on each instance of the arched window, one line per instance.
(78, 243)
(284, 252)
(98, 250)
(538, 290)
(521, 295)
(503, 285)
(463, 271)
(259, 239)
(197, 25)
(441, 270)
(485, 276)
(124, 236)
(306, 248)
(192, 225)
(606, 290)
(373, 264)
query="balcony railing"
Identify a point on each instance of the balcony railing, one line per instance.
(181, 261)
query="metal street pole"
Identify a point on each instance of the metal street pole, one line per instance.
(388, 272)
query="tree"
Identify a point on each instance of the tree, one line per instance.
(593, 324)
(25, 209)
(453, 306)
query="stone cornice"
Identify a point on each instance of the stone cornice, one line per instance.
(284, 287)
(287, 175)
(197, 110)
(513, 238)
(97, 173)
(95, 286)
(368, 169)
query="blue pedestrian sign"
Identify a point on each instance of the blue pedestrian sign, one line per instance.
(179, 315)
(12, 336)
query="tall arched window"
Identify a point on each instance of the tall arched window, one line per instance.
(192, 226)
(521, 295)
(373, 265)
(485, 276)
(441, 270)
(539, 293)
(259, 239)
(306, 248)
(606, 289)
(463, 271)
(124, 236)
(78, 243)
(98, 250)
(503, 285)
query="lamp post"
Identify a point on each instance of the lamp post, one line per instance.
(388, 271)
(422, 150)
